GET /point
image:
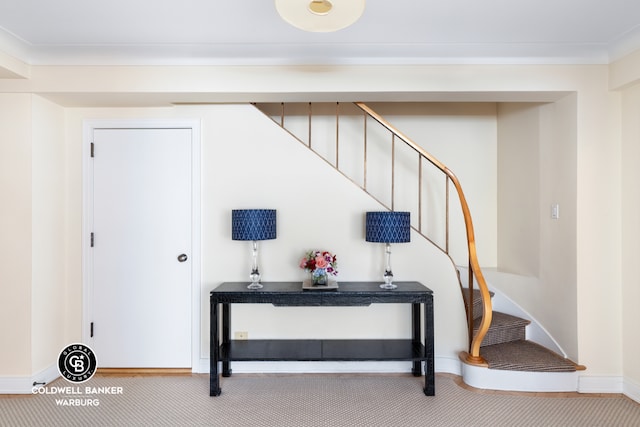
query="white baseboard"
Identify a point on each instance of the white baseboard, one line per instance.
(202, 367)
(631, 389)
(449, 365)
(319, 367)
(25, 385)
(442, 364)
(600, 384)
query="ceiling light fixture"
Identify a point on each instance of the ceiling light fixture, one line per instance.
(320, 15)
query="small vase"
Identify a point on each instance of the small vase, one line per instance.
(321, 279)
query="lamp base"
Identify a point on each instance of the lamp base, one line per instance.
(388, 275)
(255, 276)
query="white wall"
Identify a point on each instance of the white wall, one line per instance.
(598, 232)
(631, 238)
(49, 290)
(32, 222)
(558, 247)
(537, 168)
(15, 229)
(519, 188)
(460, 135)
(463, 136)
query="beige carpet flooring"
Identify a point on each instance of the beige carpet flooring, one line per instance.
(310, 400)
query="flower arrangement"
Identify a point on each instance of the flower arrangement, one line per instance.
(320, 264)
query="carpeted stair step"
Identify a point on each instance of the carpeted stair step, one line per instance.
(477, 301)
(523, 355)
(504, 328)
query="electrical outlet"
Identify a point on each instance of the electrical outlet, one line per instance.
(241, 335)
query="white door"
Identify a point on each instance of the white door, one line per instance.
(141, 248)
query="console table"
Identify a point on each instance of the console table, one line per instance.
(417, 349)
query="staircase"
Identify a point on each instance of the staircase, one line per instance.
(515, 363)
(499, 356)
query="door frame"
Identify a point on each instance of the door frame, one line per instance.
(89, 125)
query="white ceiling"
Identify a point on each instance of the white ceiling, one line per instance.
(168, 32)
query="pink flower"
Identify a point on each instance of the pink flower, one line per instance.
(321, 262)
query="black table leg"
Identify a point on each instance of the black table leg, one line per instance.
(416, 370)
(429, 368)
(214, 380)
(226, 340)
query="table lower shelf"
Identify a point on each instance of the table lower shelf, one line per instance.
(323, 350)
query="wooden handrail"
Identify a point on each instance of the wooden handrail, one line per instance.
(473, 354)
(475, 341)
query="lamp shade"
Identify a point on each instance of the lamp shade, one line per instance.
(388, 227)
(253, 224)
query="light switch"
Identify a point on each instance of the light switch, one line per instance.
(555, 211)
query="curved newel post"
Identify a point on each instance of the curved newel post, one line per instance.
(473, 356)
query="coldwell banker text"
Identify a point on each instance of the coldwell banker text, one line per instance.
(77, 396)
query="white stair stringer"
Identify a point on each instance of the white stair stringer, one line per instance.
(524, 381)
(500, 302)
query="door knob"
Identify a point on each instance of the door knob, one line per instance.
(182, 257)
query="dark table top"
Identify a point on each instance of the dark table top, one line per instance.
(348, 293)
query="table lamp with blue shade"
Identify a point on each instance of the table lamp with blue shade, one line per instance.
(388, 227)
(254, 225)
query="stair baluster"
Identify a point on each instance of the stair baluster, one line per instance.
(476, 335)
